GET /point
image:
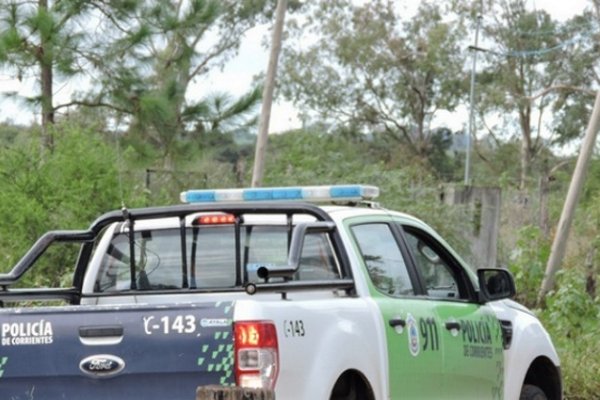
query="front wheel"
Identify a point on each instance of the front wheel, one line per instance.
(532, 392)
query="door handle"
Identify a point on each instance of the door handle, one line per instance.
(100, 331)
(450, 325)
(394, 322)
(101, 335)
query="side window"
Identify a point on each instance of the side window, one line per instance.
(440, 279)
(383, 259)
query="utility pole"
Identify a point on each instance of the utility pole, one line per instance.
(267, 100)
(559, 245)
(472, 101)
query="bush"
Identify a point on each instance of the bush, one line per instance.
(528, 262)
(63, 189)
(571, 317)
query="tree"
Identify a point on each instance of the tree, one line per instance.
(369, 68)
(580, 75)
(44, 39)
(524, 77)
(152, 54)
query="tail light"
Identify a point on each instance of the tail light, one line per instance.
(256, 354)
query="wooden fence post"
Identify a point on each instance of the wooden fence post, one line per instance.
(233, 393)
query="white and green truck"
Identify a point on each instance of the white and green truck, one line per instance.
(266, 290)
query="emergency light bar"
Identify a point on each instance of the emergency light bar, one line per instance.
(300, 193)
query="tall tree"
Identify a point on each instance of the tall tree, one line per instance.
(578, 79)
(527, 52)
(371, 68)
(42, 38)
(152, 53)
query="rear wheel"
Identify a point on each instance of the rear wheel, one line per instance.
(351, 386)
(532, 392)
(345, 389)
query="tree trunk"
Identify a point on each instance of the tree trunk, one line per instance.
(525, 147)
(45, 63)
(544, 217)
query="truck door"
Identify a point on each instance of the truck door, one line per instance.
(471, 335)
(415, 351)
(115, 352)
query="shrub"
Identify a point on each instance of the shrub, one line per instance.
(528, 262)
(63, 189)
(571, 317)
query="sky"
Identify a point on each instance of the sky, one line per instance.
(236, 78)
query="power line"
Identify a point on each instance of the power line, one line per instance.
(529, 53)
(540, 52)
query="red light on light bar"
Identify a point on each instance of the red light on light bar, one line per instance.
(216, 219)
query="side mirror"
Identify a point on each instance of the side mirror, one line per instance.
(495, 284)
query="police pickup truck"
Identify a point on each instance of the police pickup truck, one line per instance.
(263, 289)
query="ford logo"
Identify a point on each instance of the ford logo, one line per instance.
(102, 365)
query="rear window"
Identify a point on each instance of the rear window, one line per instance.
(210, 257)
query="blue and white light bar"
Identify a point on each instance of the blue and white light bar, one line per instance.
(316, 194)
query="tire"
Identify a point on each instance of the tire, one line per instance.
(345, 390)
(532, 392)
(352, 387)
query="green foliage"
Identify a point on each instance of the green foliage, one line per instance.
(373, 71)
(148, 63)
(448, 166)
(571, 316)
(311, 157)
(527, 82)
(591, 190)
(574, 103)
(65, 189)
(570, 309)
(9, 133)
(579, 364)
(528, 263)
(31, 35)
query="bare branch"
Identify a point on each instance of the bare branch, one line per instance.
(560, 87)
(209, 57)
(108, 15)
(559, 166)
(91, 104)
(536, 145)
(489, 129)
